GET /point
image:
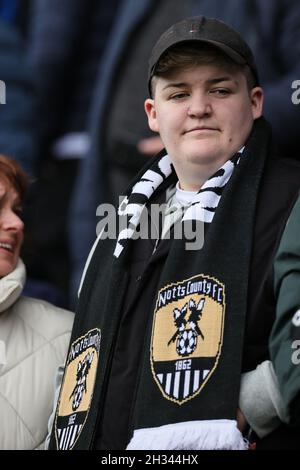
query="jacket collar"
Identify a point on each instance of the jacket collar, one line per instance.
(11, 286)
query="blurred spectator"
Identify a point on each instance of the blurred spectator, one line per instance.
(18, 133)
(34, 335)
(17, 122)
(66, 40)
(285, 338)
(118, 123)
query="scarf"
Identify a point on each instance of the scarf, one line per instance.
(208, 198)
(201, 209)
(189, 377)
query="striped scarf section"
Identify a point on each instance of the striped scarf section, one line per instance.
(202, 208)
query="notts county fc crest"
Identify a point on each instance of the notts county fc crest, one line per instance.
(77, 389)
(187, 336)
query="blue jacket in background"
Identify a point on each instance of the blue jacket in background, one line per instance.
(8, 10)
(17, 122)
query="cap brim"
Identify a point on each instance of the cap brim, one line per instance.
(237, 58)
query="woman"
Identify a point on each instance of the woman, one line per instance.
(34, 335)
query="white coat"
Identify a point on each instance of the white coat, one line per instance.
(34, 337)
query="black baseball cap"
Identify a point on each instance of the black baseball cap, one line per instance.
(205, 30)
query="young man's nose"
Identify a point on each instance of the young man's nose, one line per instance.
(199, 106)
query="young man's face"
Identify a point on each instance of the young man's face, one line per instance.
(204, 115)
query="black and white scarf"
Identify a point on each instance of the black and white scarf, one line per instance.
(202, 208)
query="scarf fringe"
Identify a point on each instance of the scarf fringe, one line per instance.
(221, 434)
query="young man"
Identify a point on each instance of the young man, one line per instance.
(156, 355)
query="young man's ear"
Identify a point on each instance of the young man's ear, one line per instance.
(257, 100)
(151, 114)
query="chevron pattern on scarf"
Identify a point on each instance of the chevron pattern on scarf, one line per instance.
(203, 207)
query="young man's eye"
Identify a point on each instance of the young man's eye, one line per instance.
(178, 96)
(220, 91)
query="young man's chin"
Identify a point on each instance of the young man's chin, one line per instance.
(206, 157)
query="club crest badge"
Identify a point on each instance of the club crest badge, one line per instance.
(77, 389)
(187, 336)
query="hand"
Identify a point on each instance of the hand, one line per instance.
(150, 146)
(241, 421)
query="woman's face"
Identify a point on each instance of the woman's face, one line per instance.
(11, 228)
